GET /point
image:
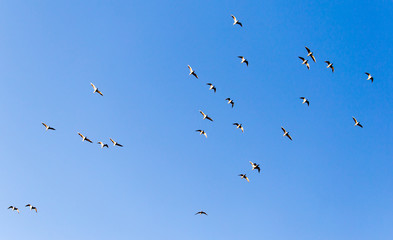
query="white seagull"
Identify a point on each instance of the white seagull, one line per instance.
(47, 127)
(356, 122)
(192, 72)
(305, 100)
(211, 87)
(200, 213)
(305, 61)
(286, 133)
(239, 125)
(243, 60)
(310, 54)
(84, 138)
(201, 132)
(230, 101)
(13, 208)
(103, 145)
(96, 90)
(244, 176)
(329, 65)
(115, 143)
(370, 77)
(32, 207)
(255, 166)
(205, 116)
(235, 21)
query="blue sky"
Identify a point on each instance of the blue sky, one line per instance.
(333, 181)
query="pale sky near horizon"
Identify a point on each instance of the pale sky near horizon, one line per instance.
(333, 181)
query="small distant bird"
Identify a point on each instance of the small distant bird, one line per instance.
(96, 89)
(235, 21)
(205, 116)
(286, 133)
(244, 176)
(255, 166)
(239, 125)
(329, 65)
(103, 145)
(47, 127)
(230, 101)
(310, 54)
(370, 77)
(84, 138)
(192, 72)
(201, 132)
(115, 143)
(211, 87)
(13, 208)
(31, 207)
(243, 60)
(357, 123)
(305, 62)
(200, 213)
(305, 100)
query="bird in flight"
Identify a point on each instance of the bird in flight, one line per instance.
(239, 125)
(243, 60)
(47, 127)
(244, 176)
(357, 123)
(115, 143)
(84, 138)
(305, 61)
(96, 90)
(211, 87)
(305, 100)
(370, 77)
(192, 72)
(103, 145)
(13, 208)
(205, 116)
(230, 101)
(329, 65)
(255, 166)
(200, 213)
(235, 21)
(286, 133)
(32, 207)
(201, 132)
(310, 54)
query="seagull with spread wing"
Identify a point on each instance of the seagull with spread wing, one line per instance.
(115, 143)
(103, 145)
(47, 127)
(357, 123)
(192, 72)
(286, 133)
(305, 100)
(84, 138)
(211, 87)
(329, 65)
(201, 213)
(244, 176)
(13, 208)
(310, 54)
(205, 116)
(96, 89)
(32, 207)
(243, 60)
(369, 77)
(230, 101)
(201, 132)
(255, 166)
(305, 61)
(235, 21)
(239, 125)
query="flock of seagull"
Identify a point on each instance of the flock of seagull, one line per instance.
(254, 166)
(310, 54)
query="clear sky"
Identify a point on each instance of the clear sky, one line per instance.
(333, 181)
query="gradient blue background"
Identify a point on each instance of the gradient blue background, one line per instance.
(334, 181)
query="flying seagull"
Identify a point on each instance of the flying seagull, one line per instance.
(211, 87)
(31, 207)
(115, 143)
(255, 166)
(244, 176)
(235, 21)
(96, 90)
(47, 127)
(13, 208)
(305, 100)
(205, 116)
(200, 213)
(305, 62)
(286, 133)
(357, 123)
(192, 72)
(84, 138)
(239, 125)
(370, 77)
(329, 65)
(310, 54)
(201, 132)
(103, 145)
(230, 101)
(243, 60)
